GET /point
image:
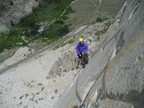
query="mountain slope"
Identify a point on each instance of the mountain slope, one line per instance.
(114, 77)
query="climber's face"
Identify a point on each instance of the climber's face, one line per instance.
(81, 42)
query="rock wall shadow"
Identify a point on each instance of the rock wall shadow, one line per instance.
(133, 97)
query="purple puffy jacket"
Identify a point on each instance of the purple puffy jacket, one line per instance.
(82, 48)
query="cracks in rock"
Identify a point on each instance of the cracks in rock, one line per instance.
(64, 64)
(136, 98)
(120, 41)
(115, 36)
(11, 2)
(87, 95)
(135, 7)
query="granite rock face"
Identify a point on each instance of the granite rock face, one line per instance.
(11, 11)
(114, 77)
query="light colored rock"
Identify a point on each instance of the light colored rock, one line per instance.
(116, 68)
(20, 54)
(3, 28)
(13, 10)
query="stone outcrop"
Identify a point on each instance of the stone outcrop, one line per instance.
(69, 60)
(11, 11)
(64, 64)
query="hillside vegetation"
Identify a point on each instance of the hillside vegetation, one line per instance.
(26, 31)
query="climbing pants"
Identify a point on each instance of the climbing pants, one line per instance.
(84, 59)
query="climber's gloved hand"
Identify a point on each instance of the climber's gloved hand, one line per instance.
(79, 55)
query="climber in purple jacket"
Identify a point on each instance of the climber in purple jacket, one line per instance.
(82, 51)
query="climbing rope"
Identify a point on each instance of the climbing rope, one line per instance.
(104, 71)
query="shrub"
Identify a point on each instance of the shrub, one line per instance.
(99, 19)
(45, 12)
(63, 30)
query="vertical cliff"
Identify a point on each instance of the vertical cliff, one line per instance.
(114, 77)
